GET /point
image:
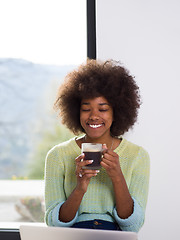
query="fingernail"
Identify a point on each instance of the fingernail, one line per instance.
(91, 161)
(97, 171)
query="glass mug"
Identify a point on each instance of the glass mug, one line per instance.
(92, 151)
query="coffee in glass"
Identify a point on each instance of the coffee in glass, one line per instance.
(92, 151)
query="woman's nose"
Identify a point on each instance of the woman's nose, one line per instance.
(94, 115)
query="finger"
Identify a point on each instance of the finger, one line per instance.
(109, 167)
(80, 163)
(89, 171)
(80, 175)
(90, 174)
(85, 162)
(110, 163)
(109, 154)
(106, 162)
(79, 168)
(78, 172)
(108, 158)
(79, 158)
(104, 151)
(104, 146)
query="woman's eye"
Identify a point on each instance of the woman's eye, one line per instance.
(103, 110)
(85, 110)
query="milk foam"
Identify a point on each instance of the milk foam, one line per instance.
(91, 147)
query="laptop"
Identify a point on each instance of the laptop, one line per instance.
(29, 232)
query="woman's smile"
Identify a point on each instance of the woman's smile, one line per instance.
(95, 125)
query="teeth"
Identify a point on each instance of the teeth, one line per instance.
(95, 126)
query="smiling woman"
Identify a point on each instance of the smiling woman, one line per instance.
(100, 100)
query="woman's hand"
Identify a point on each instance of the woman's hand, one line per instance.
(83, 175)
(124, 202)
(110, 162)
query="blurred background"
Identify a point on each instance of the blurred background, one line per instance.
(145, 37)
(41, 41)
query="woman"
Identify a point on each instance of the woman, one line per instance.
(101, 100)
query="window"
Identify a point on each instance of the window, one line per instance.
(40, 42)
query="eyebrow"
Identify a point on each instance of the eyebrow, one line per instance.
(101, 104)
(104, 104)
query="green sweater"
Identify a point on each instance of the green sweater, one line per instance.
(99, 200)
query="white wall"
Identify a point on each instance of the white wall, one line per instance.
(145, 37)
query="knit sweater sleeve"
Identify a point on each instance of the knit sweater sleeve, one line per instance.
(54, 188)
(139, 191)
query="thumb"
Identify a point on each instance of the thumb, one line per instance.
(104, 147)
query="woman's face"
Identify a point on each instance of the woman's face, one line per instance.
(96, 117)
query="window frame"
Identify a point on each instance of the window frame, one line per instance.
(14, 234)
(91, 29)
